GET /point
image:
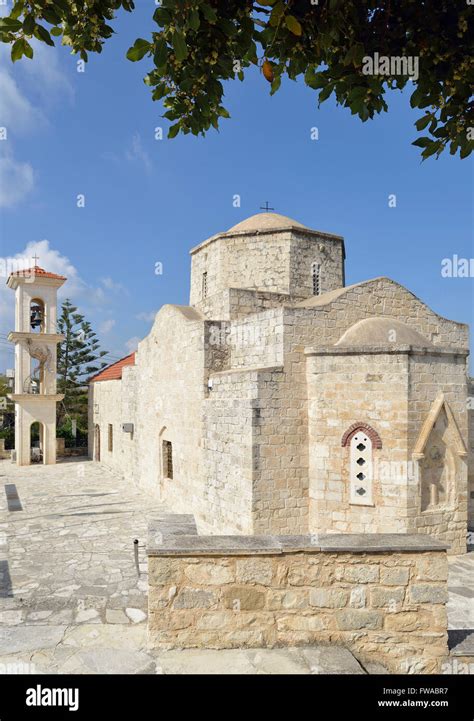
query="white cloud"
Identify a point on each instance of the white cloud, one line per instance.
(44, 72)
(147, 317)
(16, 179)
(106, 326)
(111, 285)
(43, 79)
(137, 153)
(132, 344)
(18, 114)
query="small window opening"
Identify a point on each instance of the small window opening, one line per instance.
(167, 459)
(316, 278)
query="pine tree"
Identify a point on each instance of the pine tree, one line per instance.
(79, 357)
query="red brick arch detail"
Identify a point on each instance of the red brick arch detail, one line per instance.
(365, 428)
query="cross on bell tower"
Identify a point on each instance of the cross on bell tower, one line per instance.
(36, 342)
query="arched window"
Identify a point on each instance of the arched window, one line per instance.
(204, 284)
(361, 440)
(316, 278)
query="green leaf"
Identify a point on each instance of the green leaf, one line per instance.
(161, 52)
(277, 13)
(325, 93)
(314, 80)
(275, 85)
(209, 13)
(18, 48)
(29, 25)
(194, 20)
(179, 46)
(431, 149)
(42, 34)
(161, 16)
(422, 142)
(422, 122)
(139, 49)
(9, 25)
(51, 16)
(173, 131)
(416, 97)
(293, 25)
(28, 50)
(17, 9)
(159, 91)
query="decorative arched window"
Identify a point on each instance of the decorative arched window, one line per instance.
(361, 440)
(316, 278)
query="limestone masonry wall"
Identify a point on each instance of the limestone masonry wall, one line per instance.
(374, 389)
(381, 596)
(429, 374)
(470, 391)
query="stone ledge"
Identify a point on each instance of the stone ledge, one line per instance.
(391, 349)
(176, 535)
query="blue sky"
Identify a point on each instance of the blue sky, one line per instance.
(149, 201)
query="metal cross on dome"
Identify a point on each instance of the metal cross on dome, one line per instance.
(267, 207)
(36, 259)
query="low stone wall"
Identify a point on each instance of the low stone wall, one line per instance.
(382, 596)
(4, 453)
(63, 452)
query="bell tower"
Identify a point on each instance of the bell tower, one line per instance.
(36, 341)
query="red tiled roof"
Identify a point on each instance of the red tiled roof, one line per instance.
(37, 271)
(114, 372)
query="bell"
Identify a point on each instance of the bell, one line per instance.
(36, 317)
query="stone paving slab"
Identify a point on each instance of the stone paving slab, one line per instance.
(72, 601)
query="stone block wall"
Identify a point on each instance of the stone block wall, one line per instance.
(272, 261)
(430, 374)
(381, 596)
(470, 414)
(113, 403)
(374, 389)
(227, 460)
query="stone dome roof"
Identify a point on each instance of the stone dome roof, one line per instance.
(265, 221)
(381, 332)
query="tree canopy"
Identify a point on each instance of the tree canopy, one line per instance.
(79, 357)
(195, 45)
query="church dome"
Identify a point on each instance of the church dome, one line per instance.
(381, 332)
(265, 221)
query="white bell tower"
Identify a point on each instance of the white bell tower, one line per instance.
(36, 341)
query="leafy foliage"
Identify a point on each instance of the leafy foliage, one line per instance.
(79, 357)
(195, 45)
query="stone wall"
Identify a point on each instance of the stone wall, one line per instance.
(382, 596)
(375, 391)
(231, 395)
(392, 391)
(470, 414)
(430, 374)
(274, 261)
(113, 403)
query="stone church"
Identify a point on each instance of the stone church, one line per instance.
(281, 401)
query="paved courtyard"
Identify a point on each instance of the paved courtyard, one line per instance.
(73, 592)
